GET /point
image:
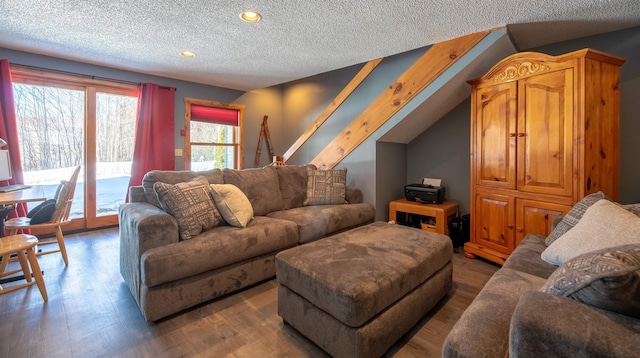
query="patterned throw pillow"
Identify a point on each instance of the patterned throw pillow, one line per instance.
(234, 206)
(326, 187)
(191, 204)
(214, 176)
(607, 278)
(633, 208)
(573, 216)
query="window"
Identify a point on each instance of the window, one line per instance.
(66, 120)
(214, 136)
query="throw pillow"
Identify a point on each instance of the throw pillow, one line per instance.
(43, 212)
(234, 206)
(214, 176)
(573, 216)
(326, 186)
(191, 204)
(607, 278)
(633, 208)
(603, 225)
(61, 191)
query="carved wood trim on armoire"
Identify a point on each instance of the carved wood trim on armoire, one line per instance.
(544, 133)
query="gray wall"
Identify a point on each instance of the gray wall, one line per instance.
(380, 169)
(443, 150)
(258, 103)
(391, 166)
(363, 164)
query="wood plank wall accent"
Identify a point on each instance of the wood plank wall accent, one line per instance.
(422, 73)
(340, 98)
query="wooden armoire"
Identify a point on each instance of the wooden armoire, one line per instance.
(544, 133)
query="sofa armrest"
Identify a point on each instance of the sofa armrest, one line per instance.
(353, 195)
(555, 326)
(142, 226)
(136, 194)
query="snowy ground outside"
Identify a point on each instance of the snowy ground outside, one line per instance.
(112, 183)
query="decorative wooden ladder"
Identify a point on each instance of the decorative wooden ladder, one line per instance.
(264, 133)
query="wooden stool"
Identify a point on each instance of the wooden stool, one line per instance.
(19, 244)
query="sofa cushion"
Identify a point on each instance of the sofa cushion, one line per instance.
(316, 222)
(213, 176)
(233, 205)
(608, 279)
(483, 328)
(260, 185)
(216, 248)
(603, 225)
(546, 325)
(326, 187)
(526, 257)
(293, 184)
(191, 204)
(573, 216)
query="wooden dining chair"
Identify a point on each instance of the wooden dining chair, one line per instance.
(64, 199)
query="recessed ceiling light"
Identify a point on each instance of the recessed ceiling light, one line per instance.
(188, 54)
(250, 16)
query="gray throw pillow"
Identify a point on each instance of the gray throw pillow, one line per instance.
(213, 176)
(191, 204)
(607, 279)
(573, 216)
(633, 208)
(326, 187)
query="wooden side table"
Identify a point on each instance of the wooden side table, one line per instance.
(440, 213)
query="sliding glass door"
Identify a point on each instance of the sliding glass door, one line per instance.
(65, 121)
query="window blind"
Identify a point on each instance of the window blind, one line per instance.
(215, 115)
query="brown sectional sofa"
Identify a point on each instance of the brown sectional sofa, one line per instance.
(167, 275)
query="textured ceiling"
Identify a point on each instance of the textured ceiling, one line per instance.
(295, 39)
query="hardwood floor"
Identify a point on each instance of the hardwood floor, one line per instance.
(91, 313)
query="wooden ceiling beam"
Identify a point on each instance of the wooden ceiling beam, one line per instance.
(340, 98)
(422, 73)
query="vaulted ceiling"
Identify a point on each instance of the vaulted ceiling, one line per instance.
(294, 39)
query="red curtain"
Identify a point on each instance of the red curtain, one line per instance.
(9, 132)
(154, 138)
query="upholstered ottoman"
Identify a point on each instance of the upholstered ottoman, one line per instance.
(356, 293)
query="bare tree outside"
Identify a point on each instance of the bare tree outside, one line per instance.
(51, 124)
(115, 126)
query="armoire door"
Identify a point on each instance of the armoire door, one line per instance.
(494, 222)
(536, 217)
(495, 136)
(545, 133)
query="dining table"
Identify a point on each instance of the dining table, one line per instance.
(8, 202)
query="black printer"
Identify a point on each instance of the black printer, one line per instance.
(424, 193)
